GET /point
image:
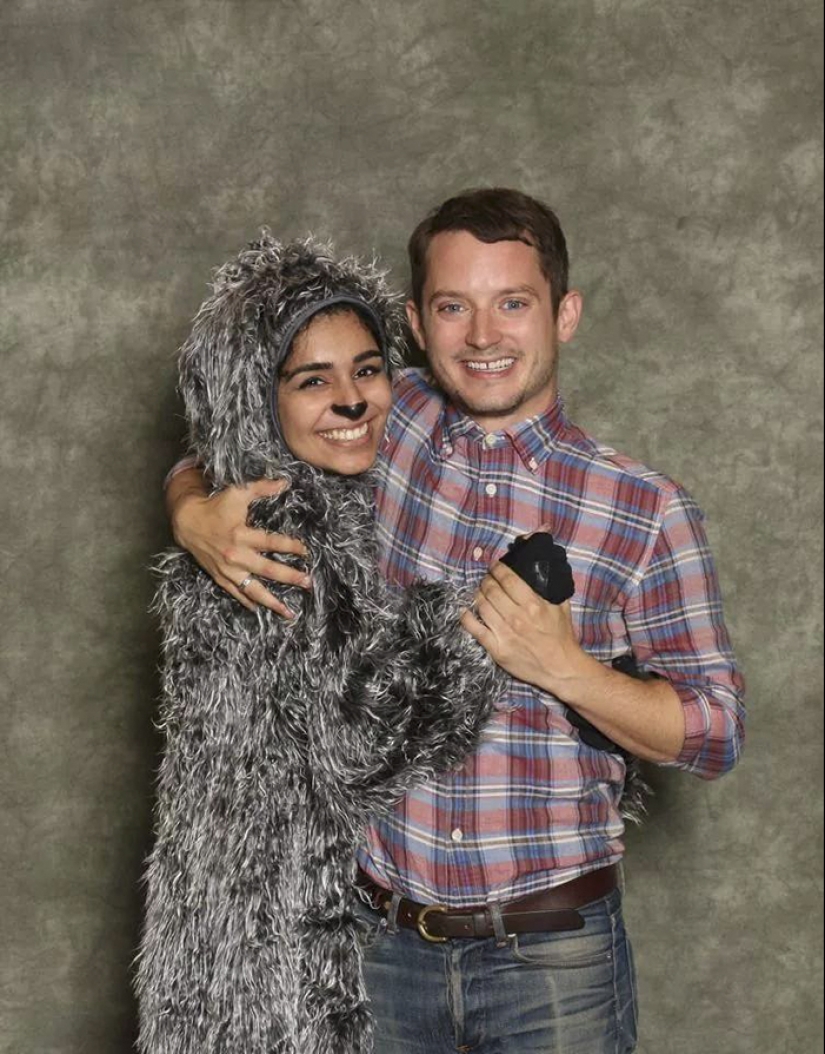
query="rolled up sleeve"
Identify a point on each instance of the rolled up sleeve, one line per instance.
(179, 466)
(677, 630)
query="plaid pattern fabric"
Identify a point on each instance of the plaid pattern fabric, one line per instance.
(535, 807)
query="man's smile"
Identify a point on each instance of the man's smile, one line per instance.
(490, 366)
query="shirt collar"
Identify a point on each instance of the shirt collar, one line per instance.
(533, 439)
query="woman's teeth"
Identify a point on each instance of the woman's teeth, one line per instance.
(495, 366)
(346, 435)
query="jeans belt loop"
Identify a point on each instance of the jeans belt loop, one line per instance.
(392, 913)
(501, 935)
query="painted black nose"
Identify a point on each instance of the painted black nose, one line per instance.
(352, 413)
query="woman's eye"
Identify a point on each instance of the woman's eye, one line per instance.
(310, 382)
(369, 371)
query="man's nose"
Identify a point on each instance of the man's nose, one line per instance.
(482, 332)
(352, 411)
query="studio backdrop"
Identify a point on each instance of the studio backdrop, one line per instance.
(142, 143)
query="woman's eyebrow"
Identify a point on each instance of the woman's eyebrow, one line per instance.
(309, 367)
(314, 367)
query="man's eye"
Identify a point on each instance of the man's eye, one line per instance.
(513, 304)
(448, 309)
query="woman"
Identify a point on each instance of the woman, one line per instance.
(285, 737)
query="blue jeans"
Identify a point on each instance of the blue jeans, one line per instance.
(543, 993)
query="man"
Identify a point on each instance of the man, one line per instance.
(496, 885)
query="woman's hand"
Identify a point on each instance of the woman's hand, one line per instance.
(213, 529)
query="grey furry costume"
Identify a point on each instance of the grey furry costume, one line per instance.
(284, 738)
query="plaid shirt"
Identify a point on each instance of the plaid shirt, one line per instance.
(534, 806)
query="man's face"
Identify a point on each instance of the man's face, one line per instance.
(486, 323)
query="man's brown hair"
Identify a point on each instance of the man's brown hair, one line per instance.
(495, 214)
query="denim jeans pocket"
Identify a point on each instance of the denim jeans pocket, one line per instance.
(572, 949)
(562, 951)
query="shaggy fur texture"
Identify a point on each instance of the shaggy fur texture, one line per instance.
(284, 738)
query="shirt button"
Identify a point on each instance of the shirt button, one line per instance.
(532, 464)
(478, 552)
(489, 440)
(457, 835)
(491, 489)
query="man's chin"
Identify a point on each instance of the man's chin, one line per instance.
(487, 408)
(505, 404)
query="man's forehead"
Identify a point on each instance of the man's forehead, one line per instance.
(456, 258)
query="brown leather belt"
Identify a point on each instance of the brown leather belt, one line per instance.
(553, 909)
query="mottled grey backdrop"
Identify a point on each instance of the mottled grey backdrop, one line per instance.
(141, 142)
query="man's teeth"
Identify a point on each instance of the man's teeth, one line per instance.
(495, 366)
(346, 435)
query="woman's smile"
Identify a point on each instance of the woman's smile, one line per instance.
(347, 435)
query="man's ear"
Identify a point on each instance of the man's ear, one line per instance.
(569, 316)
(414, 319)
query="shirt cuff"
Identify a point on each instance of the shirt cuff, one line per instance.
(698, 722)
(179, 466)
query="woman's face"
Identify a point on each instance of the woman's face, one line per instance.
(334, 395)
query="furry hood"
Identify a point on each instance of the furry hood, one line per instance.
(229, 362)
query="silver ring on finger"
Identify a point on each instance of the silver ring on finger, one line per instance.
(245, 583)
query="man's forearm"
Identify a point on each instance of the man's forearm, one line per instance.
(183, 486)
(535, 642)
(644, 717)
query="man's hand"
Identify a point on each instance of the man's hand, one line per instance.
(213, 529)
(532, 639)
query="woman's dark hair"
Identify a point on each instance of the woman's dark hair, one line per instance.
(495, 214)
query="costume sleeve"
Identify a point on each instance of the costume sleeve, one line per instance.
(674, 619)
(441, 676)
(431, 694)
